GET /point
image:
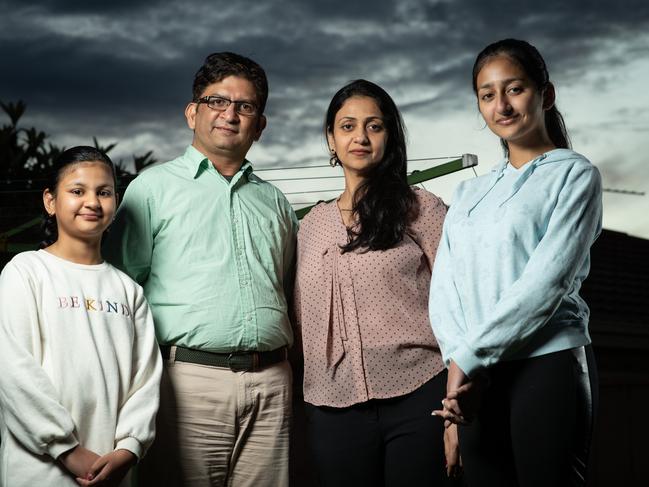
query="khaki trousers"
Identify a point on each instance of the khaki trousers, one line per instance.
(217, 427)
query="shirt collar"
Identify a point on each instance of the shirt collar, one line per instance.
(198, 164)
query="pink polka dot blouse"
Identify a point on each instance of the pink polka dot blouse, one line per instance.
(362, 318)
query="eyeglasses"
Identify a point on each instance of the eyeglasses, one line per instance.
(221, 104)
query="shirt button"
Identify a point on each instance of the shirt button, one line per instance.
(249, 317)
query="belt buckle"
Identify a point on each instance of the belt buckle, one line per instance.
(233, 367)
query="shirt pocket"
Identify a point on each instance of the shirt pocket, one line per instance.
(265, 239)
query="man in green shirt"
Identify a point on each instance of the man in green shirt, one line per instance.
(213, 246)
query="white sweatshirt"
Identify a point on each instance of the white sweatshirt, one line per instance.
(79, 364)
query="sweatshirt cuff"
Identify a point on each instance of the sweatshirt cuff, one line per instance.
(467, 361)
(58, 447)
(447, 355)
(131, 444)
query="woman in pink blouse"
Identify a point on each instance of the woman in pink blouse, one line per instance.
(372, 367)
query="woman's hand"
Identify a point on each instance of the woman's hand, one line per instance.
(452, 451)
(463, 396)
(450, 408)
(78, 460)
(456, 377)
(110, 469)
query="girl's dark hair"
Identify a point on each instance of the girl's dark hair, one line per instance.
(62, 165)
(530, 60)
(384, 203)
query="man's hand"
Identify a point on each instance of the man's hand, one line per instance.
(452, 451)
(78, 460)
(110, 469)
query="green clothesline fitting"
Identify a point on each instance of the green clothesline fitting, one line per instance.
(466, 161)
(20, 228)
(14, 248)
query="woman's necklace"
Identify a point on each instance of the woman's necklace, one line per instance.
(345, 214)
(338, 205)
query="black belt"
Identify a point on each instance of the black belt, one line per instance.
(235, 361)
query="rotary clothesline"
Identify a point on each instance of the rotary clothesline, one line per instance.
(414, 177)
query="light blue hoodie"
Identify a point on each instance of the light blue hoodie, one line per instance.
(514, 252)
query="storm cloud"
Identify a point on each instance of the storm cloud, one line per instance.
(123, 71)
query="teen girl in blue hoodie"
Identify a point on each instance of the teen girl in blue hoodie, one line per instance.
(504, 302)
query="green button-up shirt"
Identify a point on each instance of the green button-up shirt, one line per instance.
(214, 257)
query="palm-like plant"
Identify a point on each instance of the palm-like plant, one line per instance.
(26, 154)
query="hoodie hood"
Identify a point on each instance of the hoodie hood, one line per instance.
(497, 172)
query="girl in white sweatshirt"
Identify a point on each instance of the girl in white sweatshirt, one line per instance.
(79, 364)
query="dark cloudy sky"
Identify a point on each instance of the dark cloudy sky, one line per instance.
(122, 71)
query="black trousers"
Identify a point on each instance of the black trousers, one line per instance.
(382, 442)
(535, 424)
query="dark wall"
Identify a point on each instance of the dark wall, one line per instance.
(617, 292)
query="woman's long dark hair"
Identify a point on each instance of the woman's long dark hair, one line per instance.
(530, 60)
(384, 204)
(63, 163)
